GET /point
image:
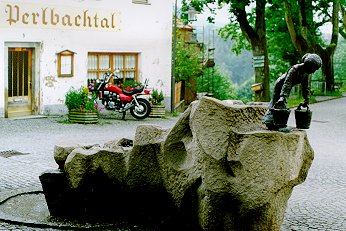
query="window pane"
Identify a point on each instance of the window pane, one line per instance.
(92, 75)
(104, 62)
(130, 62)
(118, 62)
(119, 78)
(92, 62)
(130, 76)
(120, 75)
(66, 65)
(102, 74)
(101, 63)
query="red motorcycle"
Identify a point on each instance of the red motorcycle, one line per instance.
(116, 99)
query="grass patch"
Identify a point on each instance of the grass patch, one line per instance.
(173, 114)
(334, 93)
(295, 101)
(100, 122)
(65, 121)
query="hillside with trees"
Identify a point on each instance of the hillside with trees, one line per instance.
(238, 67)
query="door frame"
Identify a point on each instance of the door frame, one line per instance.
(35, 77)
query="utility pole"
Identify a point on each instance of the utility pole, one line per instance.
(174, 55)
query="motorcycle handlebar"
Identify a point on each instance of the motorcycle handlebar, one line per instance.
(107, 76)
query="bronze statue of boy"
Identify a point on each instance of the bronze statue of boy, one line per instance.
(297, 74)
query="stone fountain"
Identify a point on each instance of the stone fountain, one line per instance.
(218, 168)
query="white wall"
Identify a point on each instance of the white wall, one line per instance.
(145, 29)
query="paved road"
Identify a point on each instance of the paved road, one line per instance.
(317, 204)
(320, 202)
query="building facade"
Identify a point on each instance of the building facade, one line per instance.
(49, 46)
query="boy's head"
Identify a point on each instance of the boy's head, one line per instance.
(312, 62)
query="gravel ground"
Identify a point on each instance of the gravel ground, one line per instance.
(27, 145)
(35, 138)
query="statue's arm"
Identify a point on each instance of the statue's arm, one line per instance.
(305, 89)
(288, 84)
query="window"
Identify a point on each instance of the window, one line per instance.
(65, 63)
(125, 63)
(140, 1)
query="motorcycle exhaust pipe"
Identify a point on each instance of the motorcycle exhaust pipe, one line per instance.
(128, 106)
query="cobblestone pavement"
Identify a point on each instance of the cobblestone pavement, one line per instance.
(320, 202)
(317, 204)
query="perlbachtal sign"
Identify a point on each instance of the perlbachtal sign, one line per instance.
(38, 16)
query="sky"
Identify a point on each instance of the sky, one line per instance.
(221, 17)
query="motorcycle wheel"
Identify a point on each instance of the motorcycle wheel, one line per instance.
(142, 111)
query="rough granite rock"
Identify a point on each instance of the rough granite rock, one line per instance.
(233, 102)
(218, 167)
(83, 163)
(240, 175)
(62, 150)
(143, 170)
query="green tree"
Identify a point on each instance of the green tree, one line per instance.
(340, 61)
(188, 64)
(304, 30)
(252, 26)
(244, 92)
(342, 29)
(282, 53)
(221, 85)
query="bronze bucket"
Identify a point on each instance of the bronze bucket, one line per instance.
(280, 117)
(303, 117)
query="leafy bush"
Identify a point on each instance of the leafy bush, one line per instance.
(80, 100)
(244, 92)
(188, 60)
(213, 81)
(157, 97)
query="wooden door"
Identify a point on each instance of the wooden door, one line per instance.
(19, 81)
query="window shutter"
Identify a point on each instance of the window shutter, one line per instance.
(140, 1)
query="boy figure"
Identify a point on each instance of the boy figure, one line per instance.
(298, 73)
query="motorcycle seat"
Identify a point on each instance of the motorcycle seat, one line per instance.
(134, 91)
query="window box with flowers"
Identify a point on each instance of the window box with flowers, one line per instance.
(157, 108)
(129, 85)
(81, 106)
